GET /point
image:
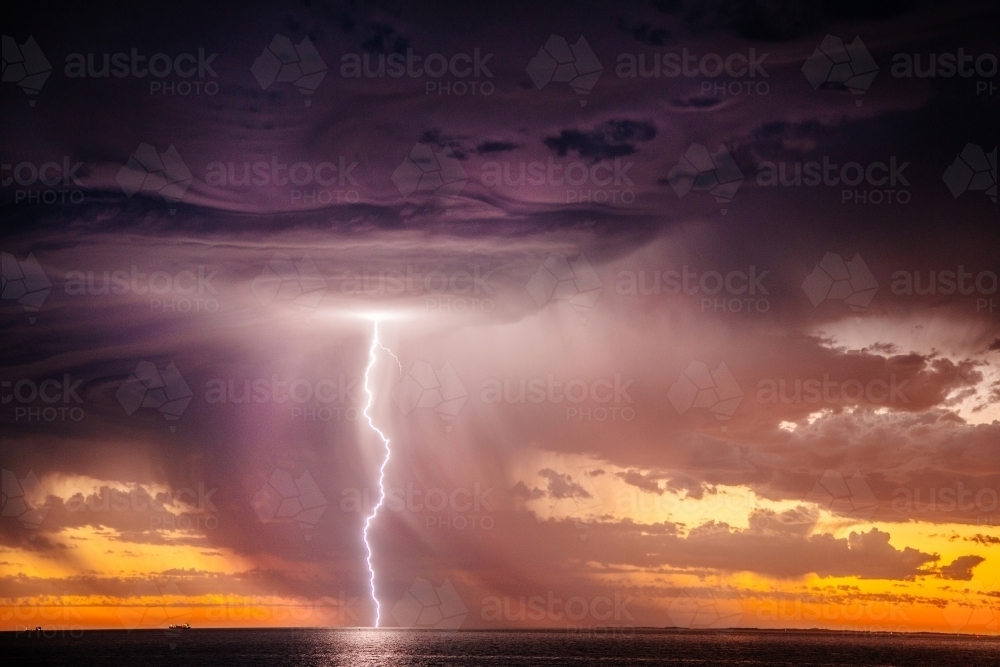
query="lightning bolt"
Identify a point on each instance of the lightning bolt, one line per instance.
(372, 358)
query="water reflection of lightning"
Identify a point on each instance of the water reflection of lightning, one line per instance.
(376, 343)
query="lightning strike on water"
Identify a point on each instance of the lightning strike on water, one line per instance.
(372, 358)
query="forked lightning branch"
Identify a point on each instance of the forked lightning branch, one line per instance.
(372, 358)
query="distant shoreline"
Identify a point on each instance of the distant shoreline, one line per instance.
(567, 631)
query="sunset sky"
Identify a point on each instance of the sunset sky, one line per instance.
(676, 328)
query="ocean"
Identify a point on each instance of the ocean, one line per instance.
(603, 647)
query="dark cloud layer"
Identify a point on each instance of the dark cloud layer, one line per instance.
(565, 258)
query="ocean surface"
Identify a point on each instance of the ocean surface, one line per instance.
(361, 648)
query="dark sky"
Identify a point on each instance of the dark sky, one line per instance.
(693, 304)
